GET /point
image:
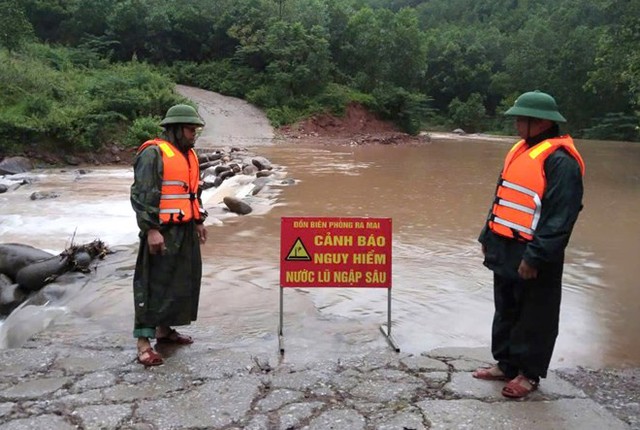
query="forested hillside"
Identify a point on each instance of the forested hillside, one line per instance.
(79, 72)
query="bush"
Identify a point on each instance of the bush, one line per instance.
(407, 110)
(14, 134)
(264, 96)
(220, 76)
(45, 98)
(283, 115)
(143, 129)
(132, 90)
(37, 105)
(335, 98)
(468, 114)
(614, 126)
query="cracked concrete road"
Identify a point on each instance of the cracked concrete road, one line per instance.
(59, 381)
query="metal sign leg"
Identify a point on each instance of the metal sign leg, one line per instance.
(280, 335)
(387, 332)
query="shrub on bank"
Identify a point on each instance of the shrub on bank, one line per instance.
(143, 129)
(48, 96)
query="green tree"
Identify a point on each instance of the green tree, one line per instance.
(15, 28)
(88, 18)
(364, 52)
(180, 32)
(408, 53)
(298, 62)
(47, 16)
(558, 63)
(380, 48)
(616, 75)
(460, 62)
(128, 25)
(309, 13)
(468, 114)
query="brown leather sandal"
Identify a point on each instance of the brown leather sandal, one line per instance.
(175, 338)
(149, 357)
(515, 390)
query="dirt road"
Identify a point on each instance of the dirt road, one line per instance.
(229, 121)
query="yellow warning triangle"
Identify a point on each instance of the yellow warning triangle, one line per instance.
(298, 252)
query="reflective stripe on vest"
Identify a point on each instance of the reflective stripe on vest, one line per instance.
(180, 179)
(518, 203)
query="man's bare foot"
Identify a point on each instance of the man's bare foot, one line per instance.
(492, 373)
(162, 331)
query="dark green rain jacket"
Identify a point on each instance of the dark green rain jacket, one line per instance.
(166, 287)
(561, 204)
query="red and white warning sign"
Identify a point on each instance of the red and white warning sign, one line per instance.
(335, 252)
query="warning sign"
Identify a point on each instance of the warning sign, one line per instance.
(335, 252)
(298, 252)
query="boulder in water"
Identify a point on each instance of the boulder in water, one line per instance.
(237, 206)
(13, 165)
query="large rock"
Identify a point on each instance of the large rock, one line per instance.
(11, 295)
(42, 195)
(262, 163)
(13, 165)
(15, 256)
(237, 206)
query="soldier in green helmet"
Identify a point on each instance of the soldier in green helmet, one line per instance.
(536, 204)
(165, 197)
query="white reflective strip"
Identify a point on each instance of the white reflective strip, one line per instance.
(536, 200)
(179, 183)
(536, 216)
(516, 206)
(175, 196)
(520, 188)
(512, 225)
(170, 211)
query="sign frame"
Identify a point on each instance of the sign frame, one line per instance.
(335, 252)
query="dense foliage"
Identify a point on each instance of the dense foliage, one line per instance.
(52, 96)
(452, 63)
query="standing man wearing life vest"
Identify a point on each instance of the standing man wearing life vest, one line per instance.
(537, 201)
(165, 198)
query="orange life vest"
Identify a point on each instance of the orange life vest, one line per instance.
(518, 203)
(180, 180)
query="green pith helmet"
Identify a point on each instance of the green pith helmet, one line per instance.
(536, 104)
(182, 114)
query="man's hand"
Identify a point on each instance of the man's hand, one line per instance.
(155, 242)
(526, 271)
(201, 231)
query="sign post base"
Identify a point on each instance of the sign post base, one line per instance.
(389, 338)
(281, 343)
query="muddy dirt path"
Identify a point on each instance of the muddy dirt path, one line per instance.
(229, 121)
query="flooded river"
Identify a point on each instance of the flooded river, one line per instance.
(437, 195)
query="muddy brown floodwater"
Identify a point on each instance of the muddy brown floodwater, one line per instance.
(437, 194)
